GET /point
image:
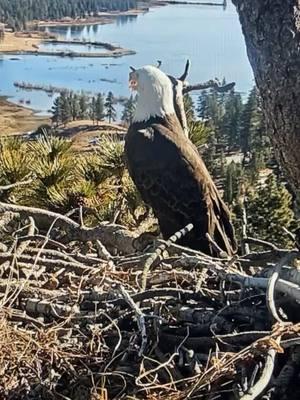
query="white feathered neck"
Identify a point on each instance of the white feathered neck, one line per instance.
(155, 94)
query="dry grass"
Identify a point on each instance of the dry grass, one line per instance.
(83, 131)
(17, 42)
(15, 119)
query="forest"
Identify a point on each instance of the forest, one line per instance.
(17, 13)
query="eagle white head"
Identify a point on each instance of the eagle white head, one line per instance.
(155, 93)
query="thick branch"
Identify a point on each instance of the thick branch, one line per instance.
(209, 84)
(112, 236)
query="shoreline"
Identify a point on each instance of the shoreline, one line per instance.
(16, 119)
(15, 42)
(102, 19)
(70, 54)
(50, 89)
(29, 44)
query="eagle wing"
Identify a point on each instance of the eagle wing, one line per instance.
(171, 177)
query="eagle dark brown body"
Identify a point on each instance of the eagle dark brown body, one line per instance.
(172, 178)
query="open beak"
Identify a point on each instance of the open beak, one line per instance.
(133, 85)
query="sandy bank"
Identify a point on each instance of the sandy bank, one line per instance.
(15, 119)
(16, 42)
(22, 44)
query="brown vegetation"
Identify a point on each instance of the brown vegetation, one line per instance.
(84, 132)
(15, 119)
(15, 42)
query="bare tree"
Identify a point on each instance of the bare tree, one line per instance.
(272, 33)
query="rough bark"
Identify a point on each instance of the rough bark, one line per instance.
(272, 33)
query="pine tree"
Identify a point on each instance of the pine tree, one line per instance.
(249, 116)
(209, 156)
(199, 132)
(228, 190)
(56, 110)
(66, 113)
(109, 107)
(100, 112)
(93, 109)
(61, 109)
(255, 143)
(269, 210)
(211, 107)
(189, 108)
(233, 182)
(83, 106)
(223, 167)
(128, 111)
(231, 120)
(202, 106)
(216, 110)
(75, 106)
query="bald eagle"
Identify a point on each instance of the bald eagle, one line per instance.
(168, 170)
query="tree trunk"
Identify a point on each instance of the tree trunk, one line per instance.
(272, 33)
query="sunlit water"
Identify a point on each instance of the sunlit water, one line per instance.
(209, 36)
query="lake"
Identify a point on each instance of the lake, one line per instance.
(210, 37)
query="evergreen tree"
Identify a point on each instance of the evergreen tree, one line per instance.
(93, 109)
(75, 106)
(199, 132)
(255, 143)
(209, 156)
(233, 182)
(216, 111)
(83, 106)
(228, 190)
(109, 107)
(211, 107)
(249, 115)
(56, 110)
(189, 108)
(223, 167)
(269, 210)
(202, 106)
(100, 112)
(231, 119)
(61, 109)
(17, 13)
(66, 113)
(128, 111)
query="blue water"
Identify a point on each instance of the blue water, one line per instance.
(76, 48)
(209, 36)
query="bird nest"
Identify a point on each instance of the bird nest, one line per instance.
(85, 315)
